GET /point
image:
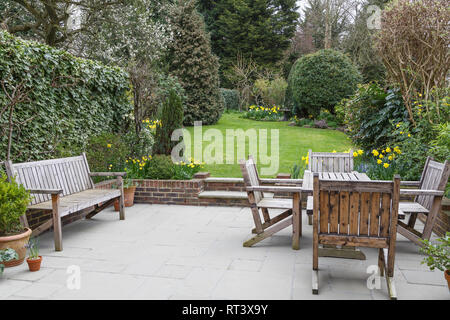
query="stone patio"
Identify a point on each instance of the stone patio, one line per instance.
(188, 252)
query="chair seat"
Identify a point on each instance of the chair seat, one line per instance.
(275, 203)
(79, 201)
(412, 207)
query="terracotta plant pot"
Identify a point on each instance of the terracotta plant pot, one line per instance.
(128, 197)
(16, 242)
(447, 277)
(34, 264)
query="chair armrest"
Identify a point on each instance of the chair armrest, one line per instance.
(283, 181)
(420, 192)
(45, 191)
(108, 174)
(410, 183)
(275, 189)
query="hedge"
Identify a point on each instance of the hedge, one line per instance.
(70, 99)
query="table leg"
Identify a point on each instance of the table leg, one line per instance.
(296, 221)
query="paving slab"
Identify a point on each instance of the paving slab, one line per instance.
(196, 252)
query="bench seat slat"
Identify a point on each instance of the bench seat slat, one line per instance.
(79, 201)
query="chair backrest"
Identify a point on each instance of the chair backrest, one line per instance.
(434, 177)
(330, 162)
(250, 175)
(68, 174)
(364, 209)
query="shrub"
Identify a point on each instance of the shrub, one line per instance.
(171, 119)
(195, 66)
(231, 98)
(159, 167)
(141, 144)
(14, 200)
(438, 255)
(270, 92)
(413, 44)
(69, 99)
(369, 114)
(321, 80)
(106, 151)
(5, 256)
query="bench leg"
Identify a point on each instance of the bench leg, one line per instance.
(57, 230)
(121, 199)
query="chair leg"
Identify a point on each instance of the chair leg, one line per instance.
(412, 220)
(315, 282)
(310, 219)
(296, 221)
(268, 232)
(381, 262)
(315, 271)
(57, 229)
(391, 287)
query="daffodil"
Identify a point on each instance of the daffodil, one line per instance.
(375, 152)
(388, 149)
(379, 161)
(360, 152)
(355, 154)
(381, 156)
(390, 158)
(108, 145)
(386, 165)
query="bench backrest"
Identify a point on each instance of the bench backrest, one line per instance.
(250, 175)
(434, 177)
(330, 162)
(68, 174)
(365, 209)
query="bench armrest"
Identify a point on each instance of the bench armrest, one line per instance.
(45, 191)
(410, 183)
(412, 192)
(275, 189)
(283, 181)
(108, 174)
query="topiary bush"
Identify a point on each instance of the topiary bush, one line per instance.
(230, 98)
(321, 80)
(68, 99)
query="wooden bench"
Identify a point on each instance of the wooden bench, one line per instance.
(64, 186)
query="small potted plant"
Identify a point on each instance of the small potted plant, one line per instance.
(438, 255)
(129, 189)
(34, 259)
(5, 256)
(14, 199)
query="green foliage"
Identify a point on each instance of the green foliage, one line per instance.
(161, 167)
(141, 144)
(192, 62)
(270, 92)
(106, 151)
(369, 114)
(231, 98)
(69, 99)
(14, 200)
(33, 247)
(5, 256)
(298, 170)
(257, 29)
(171, 119)
(321, 80)
(438, 255)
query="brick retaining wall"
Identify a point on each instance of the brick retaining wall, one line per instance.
(185, 192)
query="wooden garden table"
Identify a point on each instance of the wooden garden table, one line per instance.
(333, 251)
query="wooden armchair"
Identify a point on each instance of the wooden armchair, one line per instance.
(327, 162)
(358, 214)
(427, 201)
(258, 201)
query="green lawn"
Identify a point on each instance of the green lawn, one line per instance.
(294, 142)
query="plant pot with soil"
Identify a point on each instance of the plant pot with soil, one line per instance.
(14, 200)
(129, 189)
(34, 259)
(438, 255)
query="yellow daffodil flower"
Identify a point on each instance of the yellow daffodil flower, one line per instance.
(386, 165)
(379, 161)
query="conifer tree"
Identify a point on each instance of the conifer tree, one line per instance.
(195, 66)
